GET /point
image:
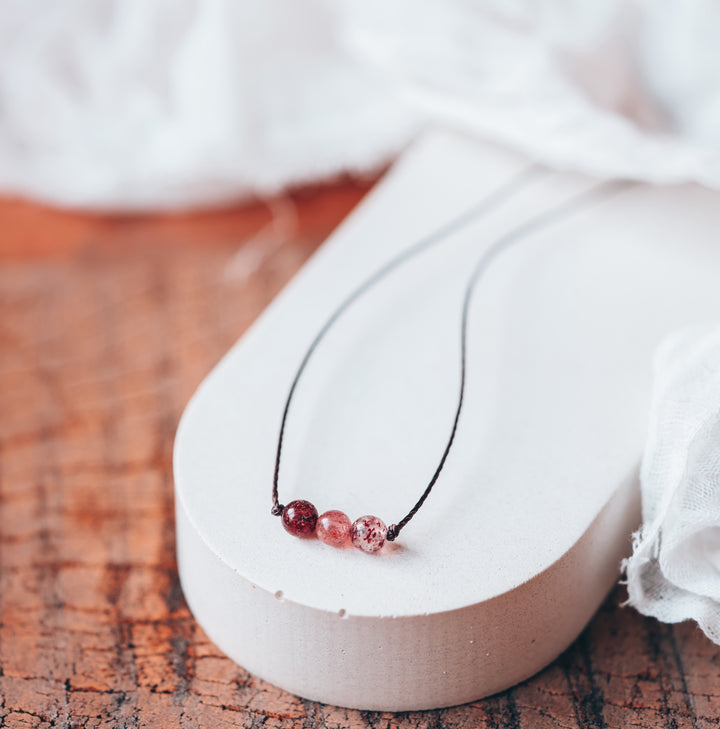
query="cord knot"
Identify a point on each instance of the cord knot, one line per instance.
(392, 533)
(277, 509)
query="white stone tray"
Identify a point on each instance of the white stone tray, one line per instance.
(521, 539)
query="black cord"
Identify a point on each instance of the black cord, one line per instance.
(531, 226)
(495, 198)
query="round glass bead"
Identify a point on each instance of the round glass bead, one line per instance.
(299, 518)
(333, 528)
(368, 533)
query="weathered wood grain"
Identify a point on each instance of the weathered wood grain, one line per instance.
(106, 327)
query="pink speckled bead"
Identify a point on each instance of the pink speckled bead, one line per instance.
(368, 533)
(333, 528)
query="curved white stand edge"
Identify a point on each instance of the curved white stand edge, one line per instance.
(418, 662)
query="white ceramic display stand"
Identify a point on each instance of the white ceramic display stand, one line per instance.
(522, 537)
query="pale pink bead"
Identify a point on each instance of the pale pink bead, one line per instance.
(333, 528)
(368, 533)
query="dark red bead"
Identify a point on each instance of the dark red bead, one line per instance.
(299, 518)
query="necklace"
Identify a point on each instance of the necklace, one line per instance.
(369, 533)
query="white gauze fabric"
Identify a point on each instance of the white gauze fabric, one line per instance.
(613, 88)
(146, 104)
(674, 572)
(159, 104)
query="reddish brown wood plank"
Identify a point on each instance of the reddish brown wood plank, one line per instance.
(106, 327)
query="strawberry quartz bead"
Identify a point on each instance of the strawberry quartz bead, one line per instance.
(368, 533)
(333, 528)
(299, 518)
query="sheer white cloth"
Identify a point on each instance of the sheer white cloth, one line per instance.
(674, 572)
(146, 104)
(128, 104)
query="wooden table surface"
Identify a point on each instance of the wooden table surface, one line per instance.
(107, 325)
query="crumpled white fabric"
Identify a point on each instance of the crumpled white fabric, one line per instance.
(674, 571)
(613, 88)
(131, 104)
(147, 104)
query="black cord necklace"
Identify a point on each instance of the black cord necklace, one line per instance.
(369, 533)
